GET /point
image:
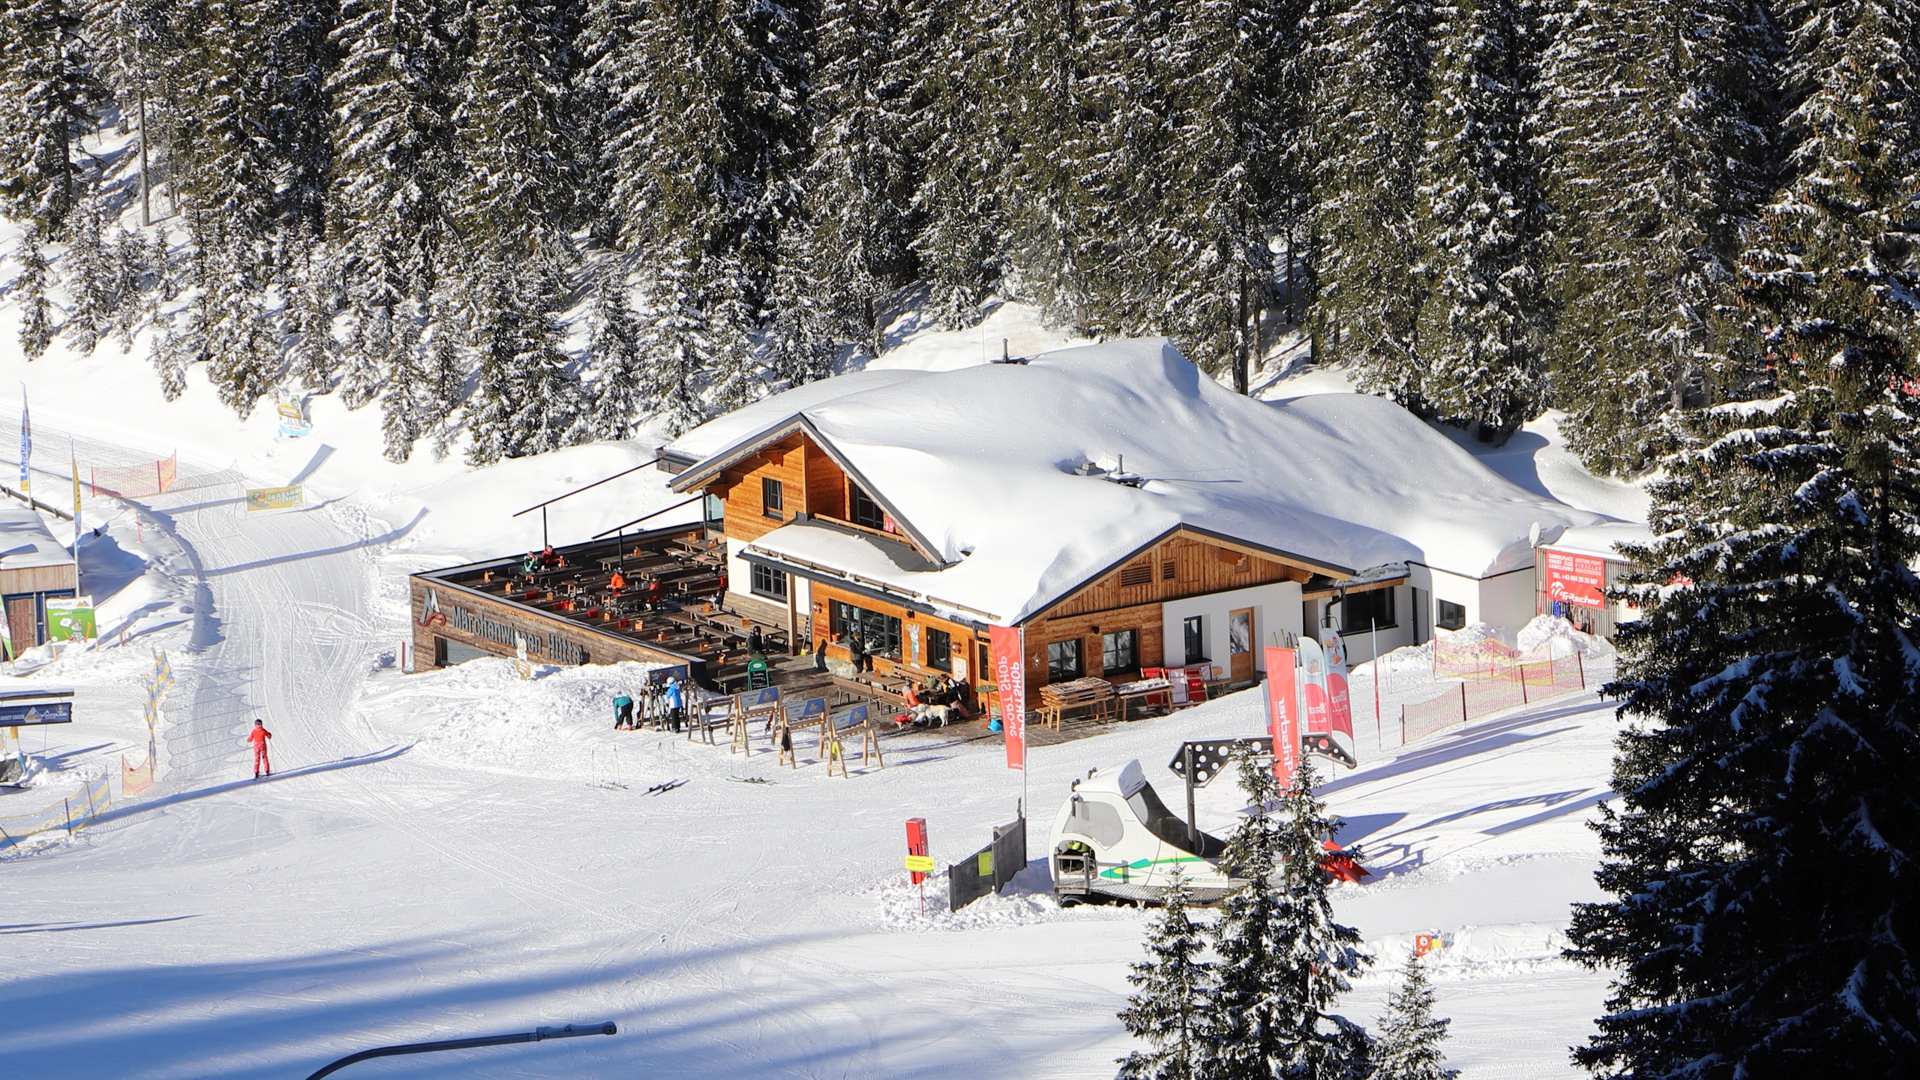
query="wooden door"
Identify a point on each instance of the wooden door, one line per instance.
(1240, 645)
(23, 623)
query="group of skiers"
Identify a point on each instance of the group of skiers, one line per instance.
(661, 705)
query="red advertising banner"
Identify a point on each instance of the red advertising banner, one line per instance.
(1010, 675)
(1337, 698)
(1283, 714)
(1576, 579)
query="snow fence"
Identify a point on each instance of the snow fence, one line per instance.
(135, 481)
(73, 814)
(1492, 682)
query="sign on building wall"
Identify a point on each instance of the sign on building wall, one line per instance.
(1576, 579)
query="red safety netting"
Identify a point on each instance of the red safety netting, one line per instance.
(135, 779)
(1498, 683)
(135, 481)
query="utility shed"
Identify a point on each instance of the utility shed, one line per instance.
(33, 568)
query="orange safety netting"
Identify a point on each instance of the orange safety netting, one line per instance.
(1498, 683)
(135, 481)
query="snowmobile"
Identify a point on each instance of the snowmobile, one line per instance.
(1114, 838)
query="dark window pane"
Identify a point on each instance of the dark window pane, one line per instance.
(1448, 615)
(1063, 661)
(773, 498)
(1194, 630)
(1117, 652)
(864, 510)
(939, 650)
(1364, 611)
(769, 582)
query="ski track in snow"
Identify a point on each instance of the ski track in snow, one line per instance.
(392, 883)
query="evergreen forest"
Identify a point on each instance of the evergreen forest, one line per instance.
(539, 222)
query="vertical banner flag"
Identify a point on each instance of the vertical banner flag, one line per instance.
(1283, 714)
(26, 442)
(1010, 676)
(1337, 698)
(77, 527)
(1314, 686)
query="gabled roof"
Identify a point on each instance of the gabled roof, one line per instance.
(978, 465)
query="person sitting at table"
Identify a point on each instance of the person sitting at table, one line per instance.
(755, 644)
(617, 584)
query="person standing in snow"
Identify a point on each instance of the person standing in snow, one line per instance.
(258, 737)
(675, 703)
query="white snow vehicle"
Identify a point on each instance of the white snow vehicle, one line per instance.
(1115, 838)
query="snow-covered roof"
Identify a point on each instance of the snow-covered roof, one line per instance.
(25, 541)
(980, 463)
(1600, 539)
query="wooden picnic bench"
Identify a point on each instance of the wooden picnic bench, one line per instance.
(1095, 695)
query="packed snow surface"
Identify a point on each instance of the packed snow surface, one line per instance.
(980, 464)
(466, 853)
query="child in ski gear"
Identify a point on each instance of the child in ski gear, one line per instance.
(258, 737)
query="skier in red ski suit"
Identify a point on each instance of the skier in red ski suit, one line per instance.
(258, 737)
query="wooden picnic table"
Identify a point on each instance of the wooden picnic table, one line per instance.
(1091, 693)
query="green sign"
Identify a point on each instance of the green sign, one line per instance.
(71, 620)
(280, 498)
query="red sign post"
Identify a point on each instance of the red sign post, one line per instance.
(1283, 714)
(1576, 579)
(1010, 675)
(919, 857)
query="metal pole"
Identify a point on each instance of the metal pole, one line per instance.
(535, 1035)
(1193, 827)
(544, 542)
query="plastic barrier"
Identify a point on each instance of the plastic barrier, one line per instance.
(1503, 683)
(135, 481)
(72, 815)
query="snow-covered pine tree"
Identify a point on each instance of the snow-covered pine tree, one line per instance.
(312, 357)
(1127, 171)
(857, 187)
(176, 346)
(705, 183)
(1763, 864)
(1283, 960)
(406, 396)
(678, 344)
(47, 95)
(1170, 1006)
(36, 323)
(1408, 1044)
(962, 242)
(527, 400)
(615, 357)
(1370, 106)
(1661, 145)
(92, 280)
(803, 331)
(1482, 222)
(514, 130)
(294, 63)
(1042, 50)
(1227, 77)
(134, 279)
(242, 348)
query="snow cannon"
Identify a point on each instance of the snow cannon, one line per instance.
(1114, 838)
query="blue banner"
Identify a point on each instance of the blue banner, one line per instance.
(43, 712)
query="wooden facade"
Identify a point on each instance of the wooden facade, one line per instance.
(26, 590)
(913, 661)
(445, 613)
(811, 483)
